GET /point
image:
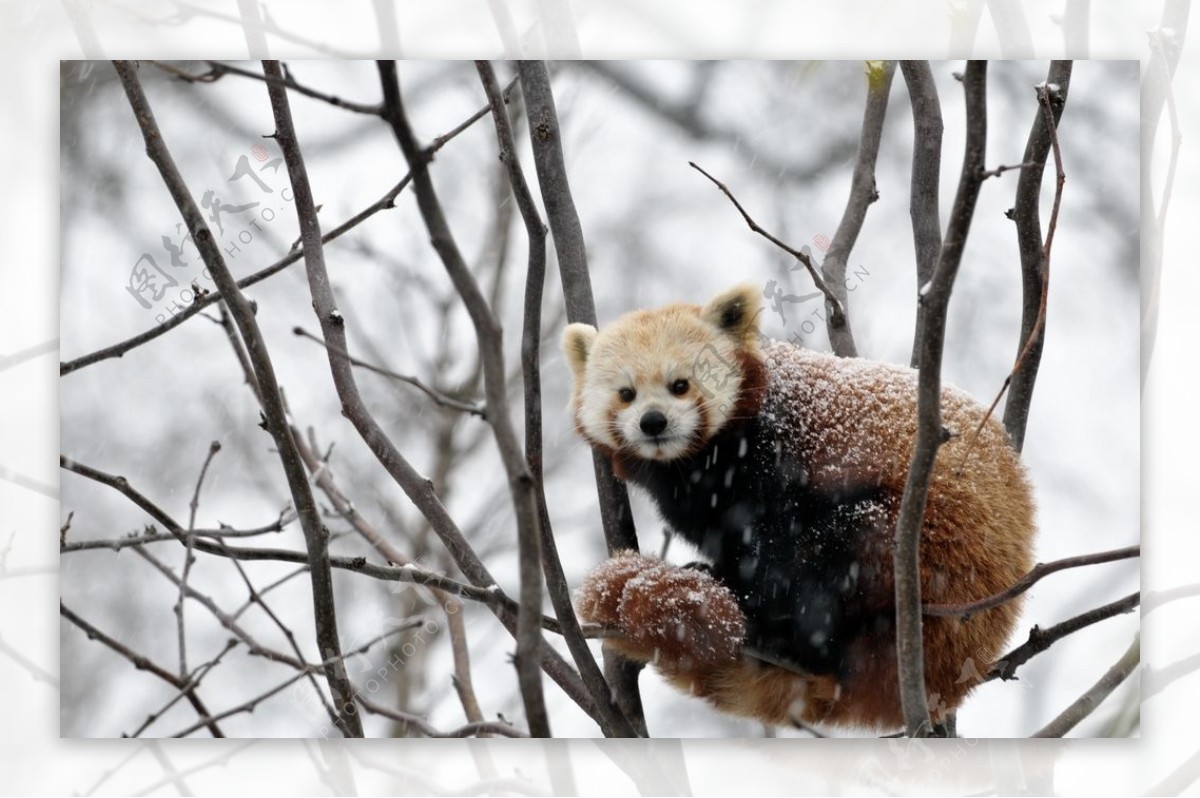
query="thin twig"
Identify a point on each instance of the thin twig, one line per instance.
(225, 619)
(862, 193)
(460, 652)
(837, 313)
(235, 343)
(1039, 571)
(116, 544)
(408, 722)
(999, 170)
(325, 615)
(289, 635)
(439, 398)
(1086, 704)
(323, 667)
(194, 679)
(218, 70)
(1041, 639)
(189, 558)
(925, 182)
(909, 646)
(290, 82)
(194, 506)
(143, 663)
(250, 602)
(1035, 253)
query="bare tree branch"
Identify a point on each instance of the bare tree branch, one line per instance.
(143, 663)
(1086, 704)
(226, 620)
(333, 662)
(325, 615)
(1039, 571)
(862, 193)
(416, 723)
(1041, 639)
(1035, 254)
(439, 398)
(930, 434)
(218, 70)
(116, 544)
(194, 680)
(837, 314)
(925, 182)
(189, 558)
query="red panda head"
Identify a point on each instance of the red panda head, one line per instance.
(657, 384)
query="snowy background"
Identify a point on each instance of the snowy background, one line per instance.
(782, 135)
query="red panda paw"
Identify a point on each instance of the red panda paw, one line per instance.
(599, 598)
(677, 618)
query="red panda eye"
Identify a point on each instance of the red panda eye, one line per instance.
(679, 387)
(627, 394)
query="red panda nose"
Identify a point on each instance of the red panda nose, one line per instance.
(653, 422)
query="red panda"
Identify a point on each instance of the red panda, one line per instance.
(785, 468)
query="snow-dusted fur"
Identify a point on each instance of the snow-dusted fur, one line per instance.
(785, 468)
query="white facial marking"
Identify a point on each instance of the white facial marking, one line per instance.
(681, 369)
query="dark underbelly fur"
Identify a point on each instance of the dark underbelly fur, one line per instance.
(789, 553)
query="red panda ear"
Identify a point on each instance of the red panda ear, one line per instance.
(735, 312)
(577, 342)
